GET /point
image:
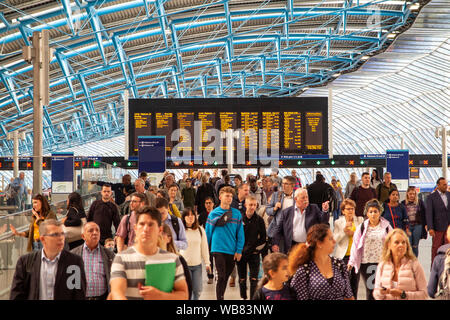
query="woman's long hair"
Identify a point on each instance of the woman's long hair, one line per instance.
(187, 211)
(304, 252)
(386, 254)
(75, 201)
(45, 208)
(271, 262)
(171, 245)
(416, 199)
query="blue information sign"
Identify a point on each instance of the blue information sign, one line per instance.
(152, 154)
(62, 172)
(397, 163)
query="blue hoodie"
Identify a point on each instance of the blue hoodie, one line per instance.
(229, 238)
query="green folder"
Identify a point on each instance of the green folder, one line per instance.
(160, 274)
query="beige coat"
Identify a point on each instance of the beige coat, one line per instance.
(341, 238)
(411, 279)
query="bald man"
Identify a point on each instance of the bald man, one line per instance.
(97, 262)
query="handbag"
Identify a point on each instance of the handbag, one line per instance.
(74, 233)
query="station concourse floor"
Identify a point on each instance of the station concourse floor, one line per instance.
(232, 293)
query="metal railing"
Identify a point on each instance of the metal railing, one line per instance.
(12, 247)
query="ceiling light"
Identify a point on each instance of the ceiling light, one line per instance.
(415, 7)
(365, 57)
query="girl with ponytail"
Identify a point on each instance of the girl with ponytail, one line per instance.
(274, 284)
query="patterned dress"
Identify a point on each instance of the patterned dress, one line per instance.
(310, 284)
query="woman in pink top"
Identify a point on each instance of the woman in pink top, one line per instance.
(399, 274)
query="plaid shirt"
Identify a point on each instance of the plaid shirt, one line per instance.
(95, 273)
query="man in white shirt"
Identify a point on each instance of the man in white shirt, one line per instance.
(295, 221)
(51, 273)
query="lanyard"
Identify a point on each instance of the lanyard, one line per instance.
(393, 222)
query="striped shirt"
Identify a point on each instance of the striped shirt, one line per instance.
(95, 272)
(130, 265)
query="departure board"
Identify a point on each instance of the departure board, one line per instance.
(313, 133)
(185, 120)
(227, 120)
(142, 126)
(301, 124)
(292, 129)
(270, 121)
(164, 127)
(249, 120)
(208, 120)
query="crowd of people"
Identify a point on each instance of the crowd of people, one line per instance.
(312, 242)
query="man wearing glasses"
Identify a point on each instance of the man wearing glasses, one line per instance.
(51, 273)
(125, 233)
(280, 200)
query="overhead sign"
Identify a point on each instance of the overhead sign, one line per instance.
(397, 163)
(62, 172)
(152, 154)
(414, 173)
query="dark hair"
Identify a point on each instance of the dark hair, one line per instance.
(161, 203)
(291, 179)
(439, 180)
(320, 178)
(365, 174)
(186, 212)
(141, 196)
(143, 174)
(304, 253)
(45, 209)
(173, 185)
(224, 172)
(209, 198)
(107, 185)
(226, 179)
(376, 175)
(390, 191)
(75, 201)
(271, 262)
(238, 176)
(152, 212)
(163, 193)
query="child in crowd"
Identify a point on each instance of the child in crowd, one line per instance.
(110, 244)
(275, 285)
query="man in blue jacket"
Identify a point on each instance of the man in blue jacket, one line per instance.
(225, 233)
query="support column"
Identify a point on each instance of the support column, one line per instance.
(444, 153)
(39, 54)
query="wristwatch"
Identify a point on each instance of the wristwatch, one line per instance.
(403, 295)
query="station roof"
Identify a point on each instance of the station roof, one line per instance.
(228, 48)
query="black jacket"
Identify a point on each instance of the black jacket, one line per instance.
(320, 192)
(105, 214)
(25, 284)
(118, 189)
(255, 233)
(107, 257)
(74, 217)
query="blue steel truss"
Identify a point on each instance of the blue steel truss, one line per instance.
(160, 48)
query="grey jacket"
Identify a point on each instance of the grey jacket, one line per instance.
(107, 256)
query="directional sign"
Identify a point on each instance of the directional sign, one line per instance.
(152, 154)
(397, 163)
(62, 172)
